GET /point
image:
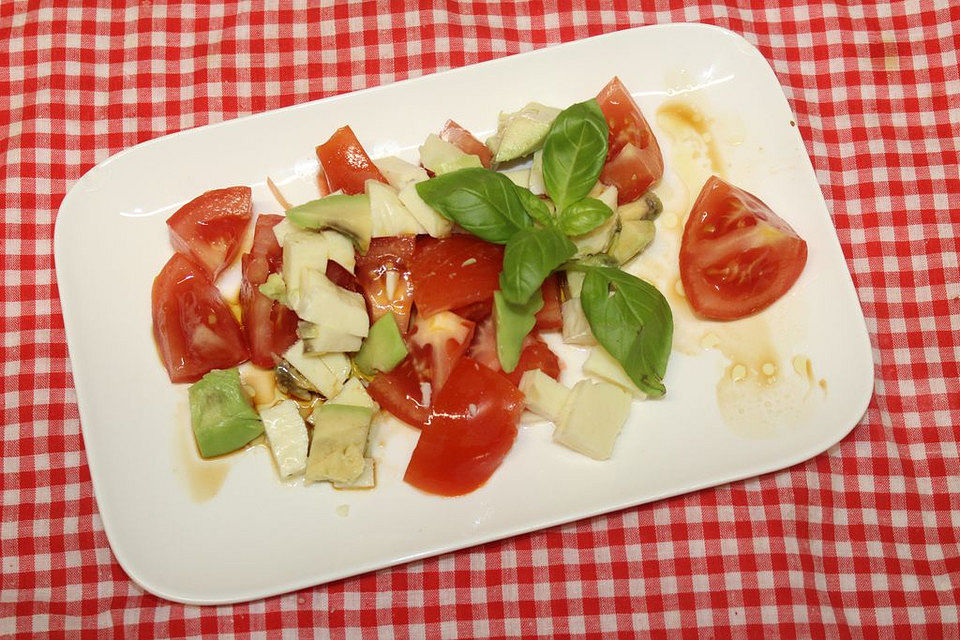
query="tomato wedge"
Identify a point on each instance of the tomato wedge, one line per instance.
(634, 161)
(737, 256)
(209, 228)
(466, 142)
(476, 311)
(193, 326)
(473, 424)
(400, 394)
(346, 166)
(436, 344)
(269, 326)
(453, 272)
(536, 354)
(384, 273)
(549, 317)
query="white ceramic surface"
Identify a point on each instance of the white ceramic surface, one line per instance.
(257, 536)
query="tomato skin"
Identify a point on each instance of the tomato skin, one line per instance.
(270, 327)
(437, 343)
(549, 317)
(737, 257)
(473, 424)
(346, 166)
(536, 354)
(476, 311)
(399, 393)
(194, 328)
(466, 142)
(441, 280)
(339, 276)
(396, 254)
(209, 229)
(634, 161)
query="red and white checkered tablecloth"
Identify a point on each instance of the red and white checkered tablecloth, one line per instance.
(859, 541)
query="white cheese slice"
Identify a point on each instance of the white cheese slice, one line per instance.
(535, 183)
(576, 328)
(284, 228)
(355, 395)
(435, 224)
(519, 177)
(326, 372)
(340, 249)
(302, 251)
(287, 436)
(328, 340)
(593, 418)
(399, 173)
(544, 396)
(335, 309)
(389, 217)
(601, 364)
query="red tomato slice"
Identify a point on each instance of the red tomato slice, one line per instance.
(634, 161)
(466, 142)
(436, 344)
(472, 426)
(342, 278)
(386, 292)
(549, 317)
(453, 272)
(476, 311)
(322, 185)
(737, 256)
(536, 354)
(269, 326)
(400, 394)
(209, 228)
(345, 164)
(193, 326)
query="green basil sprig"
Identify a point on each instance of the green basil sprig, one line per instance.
(532, 255)
(574, 152)
(513, 322)
(632, 320)
(584, 216)
(482, 201)
(535, 207)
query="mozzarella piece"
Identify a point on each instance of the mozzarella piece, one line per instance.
(302, 251)
(535, 182)
(335, 309)
(544, 396)
(287, 436)
(519, 177)
(355, 394)
(593, 418)
(328, 340)
(389, 217)
(576, 328)
(340, 249)
(399, 173)
(326, 372)
(601, 364)
(435, 224)
(284, 228)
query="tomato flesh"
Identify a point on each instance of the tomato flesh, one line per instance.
(737, 257)
(346, 166)
(209, 229)
(270, 327)
(453, 272)
(399, 393)
(536, 354)
(549, 317)
(437, 343)
(194, 328)
(634, 161)
(386, 292)
(466, 142)
(472, 426)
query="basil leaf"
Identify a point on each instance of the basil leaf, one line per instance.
(531, 256)
(584, 216)
(483, 202)
(513, 322)
(632, 321)
(535, 207)
(574, 152)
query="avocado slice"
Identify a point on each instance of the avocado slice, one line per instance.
(646, 208)
(632, 239)
(521, 133)
(383, 349)
(222, 416)
(350, 215)
(339, 442)
(440, 156)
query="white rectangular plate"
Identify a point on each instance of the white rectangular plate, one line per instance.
(258, 536)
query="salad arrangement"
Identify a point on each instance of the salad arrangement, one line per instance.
(423, 290)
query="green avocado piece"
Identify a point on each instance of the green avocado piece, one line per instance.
(350, 215)
(339, 442)
(222, 417)
(383, 348)
(634, 236)
(441, 157)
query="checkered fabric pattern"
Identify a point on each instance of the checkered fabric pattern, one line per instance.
(859, 541)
